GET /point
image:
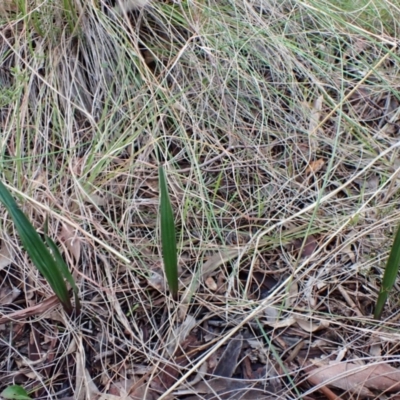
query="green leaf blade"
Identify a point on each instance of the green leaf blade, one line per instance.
(15, 392)
(168, 235)
(63, 268)
(389, 276)
(37, 250)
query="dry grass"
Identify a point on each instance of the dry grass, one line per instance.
(278, 125)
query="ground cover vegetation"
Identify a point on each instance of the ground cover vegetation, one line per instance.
(276, 124)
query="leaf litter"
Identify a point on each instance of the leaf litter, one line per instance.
(358, 378)
(5, 255)
(72, 242)
(8, 294)
(248, 165)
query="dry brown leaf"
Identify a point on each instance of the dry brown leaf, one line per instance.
(143, 392)
(211, 284)
(217, 260)
(349, 300)
(34, 310)
(283, 323)
(207, 269)
(369, 183)
(341, 354)
(56, 315)
(179, 334)
(314, 121)
(311, 325)
(348, 254)
(179, 107)
(293, 293)
(116, 304)
(358, 378)
(228, 361)
(35, 350)
(157, 281)
(326, 391)
(98, 199)
(309, 247)
(315, 166)
(119, 389)
(5, 256)
(200, 375)
(8, 294)
(108, 396)
(85, 388)
(272, 314)
(376, 350)
(261, 353)
(77, 166)
(228, 388)
(315, 114)
(372, 183)
(72, 241)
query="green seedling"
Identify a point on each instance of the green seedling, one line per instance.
(47, 259)
(168, 236)
(389, 276)
(15, 392)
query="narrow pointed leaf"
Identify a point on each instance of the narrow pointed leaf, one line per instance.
(15, 392)
(389, 276)
(63, 268)
(168, 235)
(36, 249)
